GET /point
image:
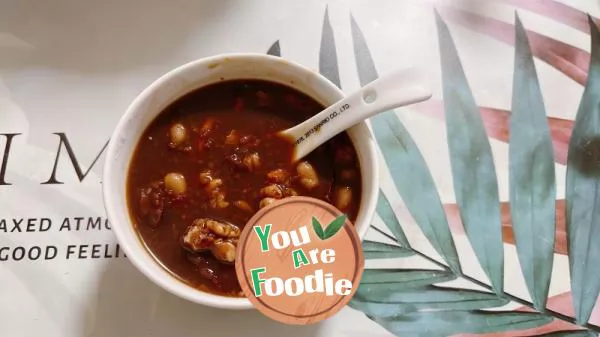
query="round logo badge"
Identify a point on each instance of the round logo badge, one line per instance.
(299, 260)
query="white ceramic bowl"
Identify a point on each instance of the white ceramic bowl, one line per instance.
(174, 85)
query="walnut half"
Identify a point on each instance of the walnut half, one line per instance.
(220, 238)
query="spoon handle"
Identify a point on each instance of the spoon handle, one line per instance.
(399, 88)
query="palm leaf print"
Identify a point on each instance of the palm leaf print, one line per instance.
(473, 171)
(402, 156)
(532, 176)
(450, 315)
(436, 300)
(583, 192)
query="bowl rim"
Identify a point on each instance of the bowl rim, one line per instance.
(171, 283)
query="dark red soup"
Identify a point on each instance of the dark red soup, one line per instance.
(210, 160)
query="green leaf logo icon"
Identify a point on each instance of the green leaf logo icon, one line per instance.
(331, 229)
(318, 229)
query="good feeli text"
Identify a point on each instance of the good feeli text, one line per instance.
(15, 227)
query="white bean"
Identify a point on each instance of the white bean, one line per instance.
(224, 251)
(308, 175)
(343, 197)
(175, 183)
(244, 206)
(272, 191)
(177, 134)
(266, 202)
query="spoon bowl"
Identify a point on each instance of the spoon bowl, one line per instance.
(181, 81)
(399, 88)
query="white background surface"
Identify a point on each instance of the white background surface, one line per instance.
(74, 67)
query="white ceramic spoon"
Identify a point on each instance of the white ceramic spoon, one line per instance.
(399, 88)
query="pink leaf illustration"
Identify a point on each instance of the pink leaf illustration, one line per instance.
(559, 303)
(560, 245)
(555, 10)
(496, 122)
(571, 61)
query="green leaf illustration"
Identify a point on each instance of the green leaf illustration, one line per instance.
(428, 294)
(532, 177)
(274, 50)
(318, 229)
(386, 213)
(583, 192)
(328, 62)
(401, 301)
(382, 280)
(377, 250)
(334, 226)
(473, 171)
(448, 323)
(407, 167)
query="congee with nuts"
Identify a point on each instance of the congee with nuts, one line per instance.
(210, 160)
